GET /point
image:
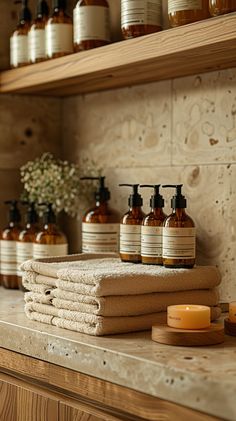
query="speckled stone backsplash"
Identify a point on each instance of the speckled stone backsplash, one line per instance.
(175, 131)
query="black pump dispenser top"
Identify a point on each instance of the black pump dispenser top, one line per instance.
(25, 14)
(31, 214)
(135, 199)
(49, 216)
(156, 200)
(178, 201)
(102, 194)
(42, 8)
(59, 4)
(14, 213)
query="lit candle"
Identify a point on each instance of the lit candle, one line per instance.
(232, 312)
(188, 316)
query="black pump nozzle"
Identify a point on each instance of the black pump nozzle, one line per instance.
(102, 194)
(42, 8)
(14, 213)
(135, 199)
(178, 201)
(31, 215)
(156, 200)
(59, 4)
(49, 216)
(25, 14)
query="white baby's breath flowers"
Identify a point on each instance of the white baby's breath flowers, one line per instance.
(51, 180)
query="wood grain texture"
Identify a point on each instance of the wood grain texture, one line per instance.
(200, 47)
(183, 337)
(68, 413)
(8, 393)
(107, 397)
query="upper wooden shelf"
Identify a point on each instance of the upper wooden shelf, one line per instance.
(200, 47)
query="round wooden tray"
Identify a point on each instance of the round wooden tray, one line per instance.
(182, 337)
(230, 328)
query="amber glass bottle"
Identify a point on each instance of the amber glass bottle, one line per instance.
(91, 24)
(179, 234)
(9, 238)
(130, 228)
(19, 39)
(221, 7)
(37, 42)
(27, 236)
(182, 12)
(140, 17)
(59, 31)
(151, 230)
(100, 225)
(50, 241)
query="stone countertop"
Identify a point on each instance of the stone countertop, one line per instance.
(201, 378)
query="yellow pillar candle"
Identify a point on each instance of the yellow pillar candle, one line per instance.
(232, 312)
(188, 316)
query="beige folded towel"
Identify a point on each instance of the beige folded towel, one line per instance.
(40, 289)
(97, 325)
(131, 305)
(35, 278)
(37, 298)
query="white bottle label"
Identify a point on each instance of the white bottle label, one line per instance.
(141, 12)
(100, 238)
(24, 251)
(8, 257)
(49, 250)
(18, 50)
(91, 23)
(59, 38)
(180, 5)
(151, 241)
(37, 47)
(130, 239)
(179, 243)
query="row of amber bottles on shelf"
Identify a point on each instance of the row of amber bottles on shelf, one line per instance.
(19, 244)
(57, 35)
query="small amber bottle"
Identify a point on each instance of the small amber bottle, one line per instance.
(37, 42)
(27, 236)
(100, 225)
(59, 31)
(182, 12)
(179, 234)
(151, 230)
(130, 227)
(9, 238)
(91, 24)
(221, 7)
(19, 39)
(50, 241)
(140, 17)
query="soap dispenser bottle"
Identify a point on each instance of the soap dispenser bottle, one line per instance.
(151, 230)
(130, 227)
(100, 224)
(59, 31)
(37, 47)
(9, 238)
(179, 234)
(19, 39)
(27, 236)
(50, 241)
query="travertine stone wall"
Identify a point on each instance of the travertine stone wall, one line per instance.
(180, 131)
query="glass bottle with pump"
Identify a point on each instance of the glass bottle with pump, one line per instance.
(9, 238)
(130, 227)
(151, 230)
(27, 236)
(91, 24)
(100, 225)
(221, 7)
(182, 12)
(37, 47)
(50, 241)
(59, 31)
(140, 17)
(19, 39)
(179, 234)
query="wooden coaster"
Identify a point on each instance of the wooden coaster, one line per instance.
(230, 328)
(182, 337)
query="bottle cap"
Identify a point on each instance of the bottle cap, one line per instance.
(59, 4)
(14, 213)
(135, 199)
(49, 216)
(42, 8)
(31, 214)
(156, 200)
(102, 194)
(178, 201)
(25, 14)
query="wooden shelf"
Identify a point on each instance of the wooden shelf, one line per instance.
(200, 47)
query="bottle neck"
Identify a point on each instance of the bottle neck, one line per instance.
(59, 6)
(136, 210)
(179, 212)
(157, 211)
(13, 224)
(102, 205)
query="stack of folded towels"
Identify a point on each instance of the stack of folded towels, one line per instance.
(100, 295)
